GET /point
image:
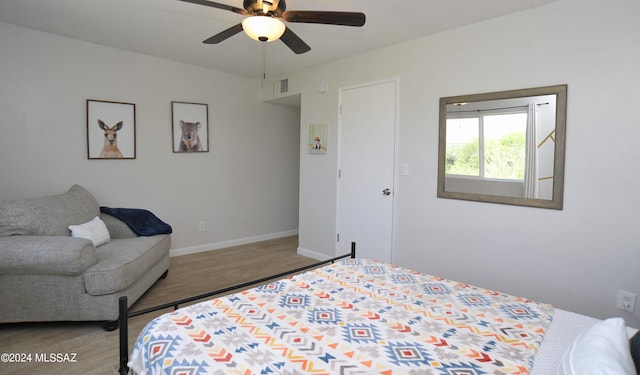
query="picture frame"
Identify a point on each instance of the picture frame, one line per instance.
(111, 130)
(190, 127)
(317, 139)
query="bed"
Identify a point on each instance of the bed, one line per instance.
(359, 316)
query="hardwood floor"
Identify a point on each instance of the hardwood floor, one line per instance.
(96, 351)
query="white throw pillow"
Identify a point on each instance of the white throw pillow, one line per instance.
(602, 349)
(94, 230)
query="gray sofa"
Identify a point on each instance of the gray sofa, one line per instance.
(48, 275)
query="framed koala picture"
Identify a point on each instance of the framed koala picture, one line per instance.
(190, 127)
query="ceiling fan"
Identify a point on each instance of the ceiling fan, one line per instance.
(264, 21)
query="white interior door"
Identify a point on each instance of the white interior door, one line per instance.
(366, 170)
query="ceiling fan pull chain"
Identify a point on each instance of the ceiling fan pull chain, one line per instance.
(264, 64)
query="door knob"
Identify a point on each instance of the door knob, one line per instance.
(386, 192)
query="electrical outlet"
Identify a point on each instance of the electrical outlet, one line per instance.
(203, 226)
(626, 301)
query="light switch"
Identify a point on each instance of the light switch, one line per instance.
(405, 169)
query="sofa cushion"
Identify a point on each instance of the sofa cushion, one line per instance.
(116, 227)
(123, 261)
(49, 215)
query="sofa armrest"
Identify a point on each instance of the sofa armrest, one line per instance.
(117, 228)
(45, 255)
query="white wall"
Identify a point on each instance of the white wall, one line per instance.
(245, 188)
(577, 258)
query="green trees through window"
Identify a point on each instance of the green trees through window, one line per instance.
(488, 146)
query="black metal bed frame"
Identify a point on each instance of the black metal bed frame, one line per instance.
(124, 315)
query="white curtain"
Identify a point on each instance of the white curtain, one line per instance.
(531, 158)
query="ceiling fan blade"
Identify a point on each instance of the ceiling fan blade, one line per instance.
(294, 42)
(213, 4)
(223, 35)
(325, 17)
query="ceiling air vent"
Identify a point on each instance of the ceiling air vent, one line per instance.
(281, 87)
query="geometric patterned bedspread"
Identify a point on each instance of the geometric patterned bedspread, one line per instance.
(353, 317)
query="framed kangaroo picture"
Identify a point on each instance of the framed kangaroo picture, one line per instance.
(111, 130)
(190, 127)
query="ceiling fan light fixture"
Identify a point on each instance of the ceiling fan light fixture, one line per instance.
(263, 28)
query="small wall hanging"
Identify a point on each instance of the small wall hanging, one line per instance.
(111, 130)
(190, 127)
(318, 139)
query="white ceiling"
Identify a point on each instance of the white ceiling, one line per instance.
(175, 30)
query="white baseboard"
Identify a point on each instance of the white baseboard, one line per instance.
(313, 254)
(230, 243)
